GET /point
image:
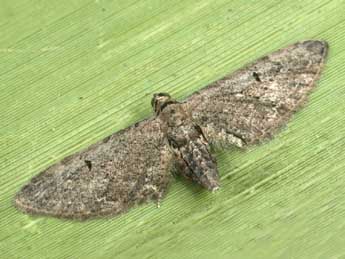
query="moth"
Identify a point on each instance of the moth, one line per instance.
(134, 165)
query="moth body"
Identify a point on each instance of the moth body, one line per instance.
(191, 150)
(133, 166)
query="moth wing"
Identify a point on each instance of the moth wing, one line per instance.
(250, 105)
(127, 168)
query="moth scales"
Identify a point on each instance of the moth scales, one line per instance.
(133, 165)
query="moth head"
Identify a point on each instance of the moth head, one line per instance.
(160, 101)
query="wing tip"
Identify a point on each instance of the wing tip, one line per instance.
(319, 47)
(22, 204)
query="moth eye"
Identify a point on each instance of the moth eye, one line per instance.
(172, 143)
(88, 164)
(162, 94)
(256, 77)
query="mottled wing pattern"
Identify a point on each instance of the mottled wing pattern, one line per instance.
(127, 168)
(251, 104)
